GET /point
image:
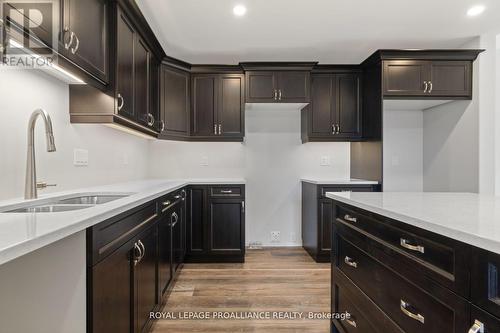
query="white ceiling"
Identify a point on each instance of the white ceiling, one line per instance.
(328, 31)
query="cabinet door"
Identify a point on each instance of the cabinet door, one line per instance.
(204, 105)
(451, 78)
(87, 20)
(111, 292)
(323, 105)
(325, 220)
(227, 234)
(348, 113)
(145, 279)
(405, 77)
(164, 251)
(177, 241)
(231, 106)
(174, 101)
(125, 66)
(154, 99)
(197, 226)
(142, 58)
(293, 87)
(261, 87)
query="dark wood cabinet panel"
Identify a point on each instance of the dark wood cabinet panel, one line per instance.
(197, 225)
(142, 91)
(145, 282)
(348, 108)
(174, 101)
(225, 219)
(325, 218)
(154, 93)
(451, 78)
(164, 251)
(125, 40)
(261, 87)
(485, 274)
(293, 87)
(85, 23)
(322, 107)
(405, 77)
(480, 318)
(204, 105)
(231, 108)
(110, 310)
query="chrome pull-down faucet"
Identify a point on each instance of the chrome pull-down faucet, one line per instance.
(30, 189)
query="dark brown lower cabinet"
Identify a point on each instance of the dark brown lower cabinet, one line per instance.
(317, 212)
(216, 223)
(393, 277)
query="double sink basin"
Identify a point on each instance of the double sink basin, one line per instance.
(67, 204)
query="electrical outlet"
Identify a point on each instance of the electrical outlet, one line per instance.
(204, 161)
(325, 161)
(293, 236)
(275, 236)
(80, 157)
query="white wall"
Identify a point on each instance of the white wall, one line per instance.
(272, 159)
(497, 116)
(25, 90)
(403, 150)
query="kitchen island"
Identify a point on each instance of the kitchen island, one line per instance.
(416, 262)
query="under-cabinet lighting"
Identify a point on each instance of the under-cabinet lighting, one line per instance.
(129, 131)
(239, 10)
(476, 10)
(51, 68)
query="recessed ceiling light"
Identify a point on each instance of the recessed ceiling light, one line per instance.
(239, 10)
(476, 10)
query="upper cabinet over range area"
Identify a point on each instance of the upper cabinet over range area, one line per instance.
(132, 84)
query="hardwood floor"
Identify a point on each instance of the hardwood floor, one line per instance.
(271, 281)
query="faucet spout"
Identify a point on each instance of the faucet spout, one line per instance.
(30, 190)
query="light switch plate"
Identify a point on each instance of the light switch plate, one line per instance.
(204, 161)
(325, 161)
(80, 157)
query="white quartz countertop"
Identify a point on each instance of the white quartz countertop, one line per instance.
(21, 233)
(470, 218)
(325, 181)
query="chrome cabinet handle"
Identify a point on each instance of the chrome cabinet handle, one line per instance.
(279, 95)
(351, 322)
(71, 37)
(226, 191)
(430, 87)
(338, 129)
(166, 203)
(349, 218)
(478, 327)
(150, 119)
(143, 250)
(220, 129)
(350, 262)
(275, 94)
(406, 244)
(137, 258)
(162, 125)
(243, 206)
(184, 194)
(417, 316)
(178, 196)
(122, 102)
(333, 129)
(174, 217)
(215, 129)
(426, 86)
(74, 49)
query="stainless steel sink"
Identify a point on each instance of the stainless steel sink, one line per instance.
(67, 204)
(49, 209)
(91, 199)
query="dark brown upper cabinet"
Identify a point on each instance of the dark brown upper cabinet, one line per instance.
(334, 113)
(277, 87)
(84, 36)
(439, 74)
(174, 101)
(217, 107)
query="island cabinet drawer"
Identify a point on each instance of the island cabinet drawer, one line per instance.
(348, 188)
(171, 199)
(483, 322)
(364, 315)
(435, 256)
(485, 280)
(227, 191)
(410, 307)
(109, 235)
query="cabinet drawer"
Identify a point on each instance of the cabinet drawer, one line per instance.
(438, 257)
(347, 188)
(412, 308)
(169, 200)
(485, 277)
(480, 318)
(109, 235)
(365, 316)
(226, 191)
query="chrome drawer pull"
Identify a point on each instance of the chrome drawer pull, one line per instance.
(349, 218)
(350, 262)
(166, 203)
(406, 244)
(226, 191)
(137, 258)
(418, 317)
(351, 322)
(478, 327)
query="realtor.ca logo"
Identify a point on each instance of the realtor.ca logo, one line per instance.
(28, 36)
